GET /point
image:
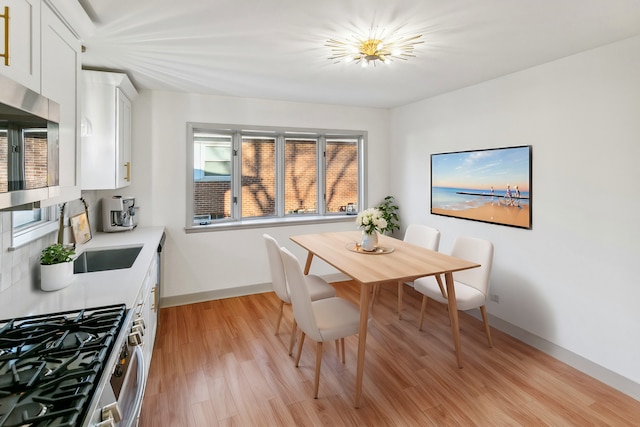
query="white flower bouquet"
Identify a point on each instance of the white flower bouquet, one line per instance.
(371, 220)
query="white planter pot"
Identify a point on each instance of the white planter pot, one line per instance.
(56, 276)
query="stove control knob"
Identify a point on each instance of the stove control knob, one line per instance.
(139, 322)
(135, 338)
(138, 329)
(110, 415)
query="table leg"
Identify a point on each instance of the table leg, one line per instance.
(362, 340)
(453, 315)
(307, 265)
(400, 290)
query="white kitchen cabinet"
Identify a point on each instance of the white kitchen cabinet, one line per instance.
(106, 130)
(47, 53)
(23, 44)
(61, 65)
(149, 311)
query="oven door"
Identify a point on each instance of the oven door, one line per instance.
(123, 410)
(130, 398)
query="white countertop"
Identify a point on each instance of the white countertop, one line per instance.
(89, 289)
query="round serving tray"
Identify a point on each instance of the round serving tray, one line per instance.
(379, 250)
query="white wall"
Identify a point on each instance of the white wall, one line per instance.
(203, 263)
(573, 279)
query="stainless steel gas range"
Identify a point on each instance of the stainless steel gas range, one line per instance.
(75, 368)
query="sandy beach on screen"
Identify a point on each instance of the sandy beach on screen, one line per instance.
(510, 215)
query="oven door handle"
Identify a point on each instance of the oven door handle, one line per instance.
(137, 405)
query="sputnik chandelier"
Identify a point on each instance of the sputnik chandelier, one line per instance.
(376, 47)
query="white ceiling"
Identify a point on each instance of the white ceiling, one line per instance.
(276, 48)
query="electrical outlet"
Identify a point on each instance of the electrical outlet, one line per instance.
(495, 298)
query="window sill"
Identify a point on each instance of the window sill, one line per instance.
(35, 233)
(270, 222)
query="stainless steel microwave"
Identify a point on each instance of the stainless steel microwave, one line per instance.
(29, 147)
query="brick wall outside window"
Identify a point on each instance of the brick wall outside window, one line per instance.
(4, 169)
(258, 177)
(259, 186)
(342, 176)
(300, 177)
(35, 160)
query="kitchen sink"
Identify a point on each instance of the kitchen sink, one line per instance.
(106, 259)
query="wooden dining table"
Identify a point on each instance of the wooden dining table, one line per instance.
(393, 261)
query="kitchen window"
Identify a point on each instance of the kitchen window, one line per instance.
(30, 225)
(249, 177)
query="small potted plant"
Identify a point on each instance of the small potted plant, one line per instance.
(389, 211)
(56, 268)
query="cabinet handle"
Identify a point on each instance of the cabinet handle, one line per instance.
(128, 176)
(154, 307)
(5, 16)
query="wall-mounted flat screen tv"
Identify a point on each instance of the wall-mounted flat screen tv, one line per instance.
(490, 185)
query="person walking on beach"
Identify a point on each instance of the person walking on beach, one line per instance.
(507, 196)
(517, 201)
(492, 195)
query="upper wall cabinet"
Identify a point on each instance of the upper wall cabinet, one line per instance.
(106, 130)
(20, 60)
(44, 59)
(61, 65)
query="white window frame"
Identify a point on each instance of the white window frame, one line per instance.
(281, 218)
(21, 235)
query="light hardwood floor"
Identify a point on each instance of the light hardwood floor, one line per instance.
(219, 363)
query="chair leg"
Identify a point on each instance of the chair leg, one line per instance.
(342, 345)
(300, 349)
(279, 317)
(400, 290)
(292, 340)
(423, 307)
(338, 349)
(483, 310)
(316, 382)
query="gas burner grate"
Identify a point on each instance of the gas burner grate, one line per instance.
(22, 414)
(50, 364)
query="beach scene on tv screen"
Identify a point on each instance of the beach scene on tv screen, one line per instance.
(490, 185)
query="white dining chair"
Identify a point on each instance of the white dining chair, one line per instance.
(419, 235)
(318, 287)
(471, 286)
(322, 320)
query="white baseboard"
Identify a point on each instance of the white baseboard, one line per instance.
(602, 374)
(215, 294)
(232, 292)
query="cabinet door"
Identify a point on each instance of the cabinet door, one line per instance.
(154, 299)
(60, 73)
(106, 130)
(150, 312)
(123, 169)
(24, 42)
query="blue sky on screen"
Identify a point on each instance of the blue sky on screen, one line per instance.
(482, 169)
